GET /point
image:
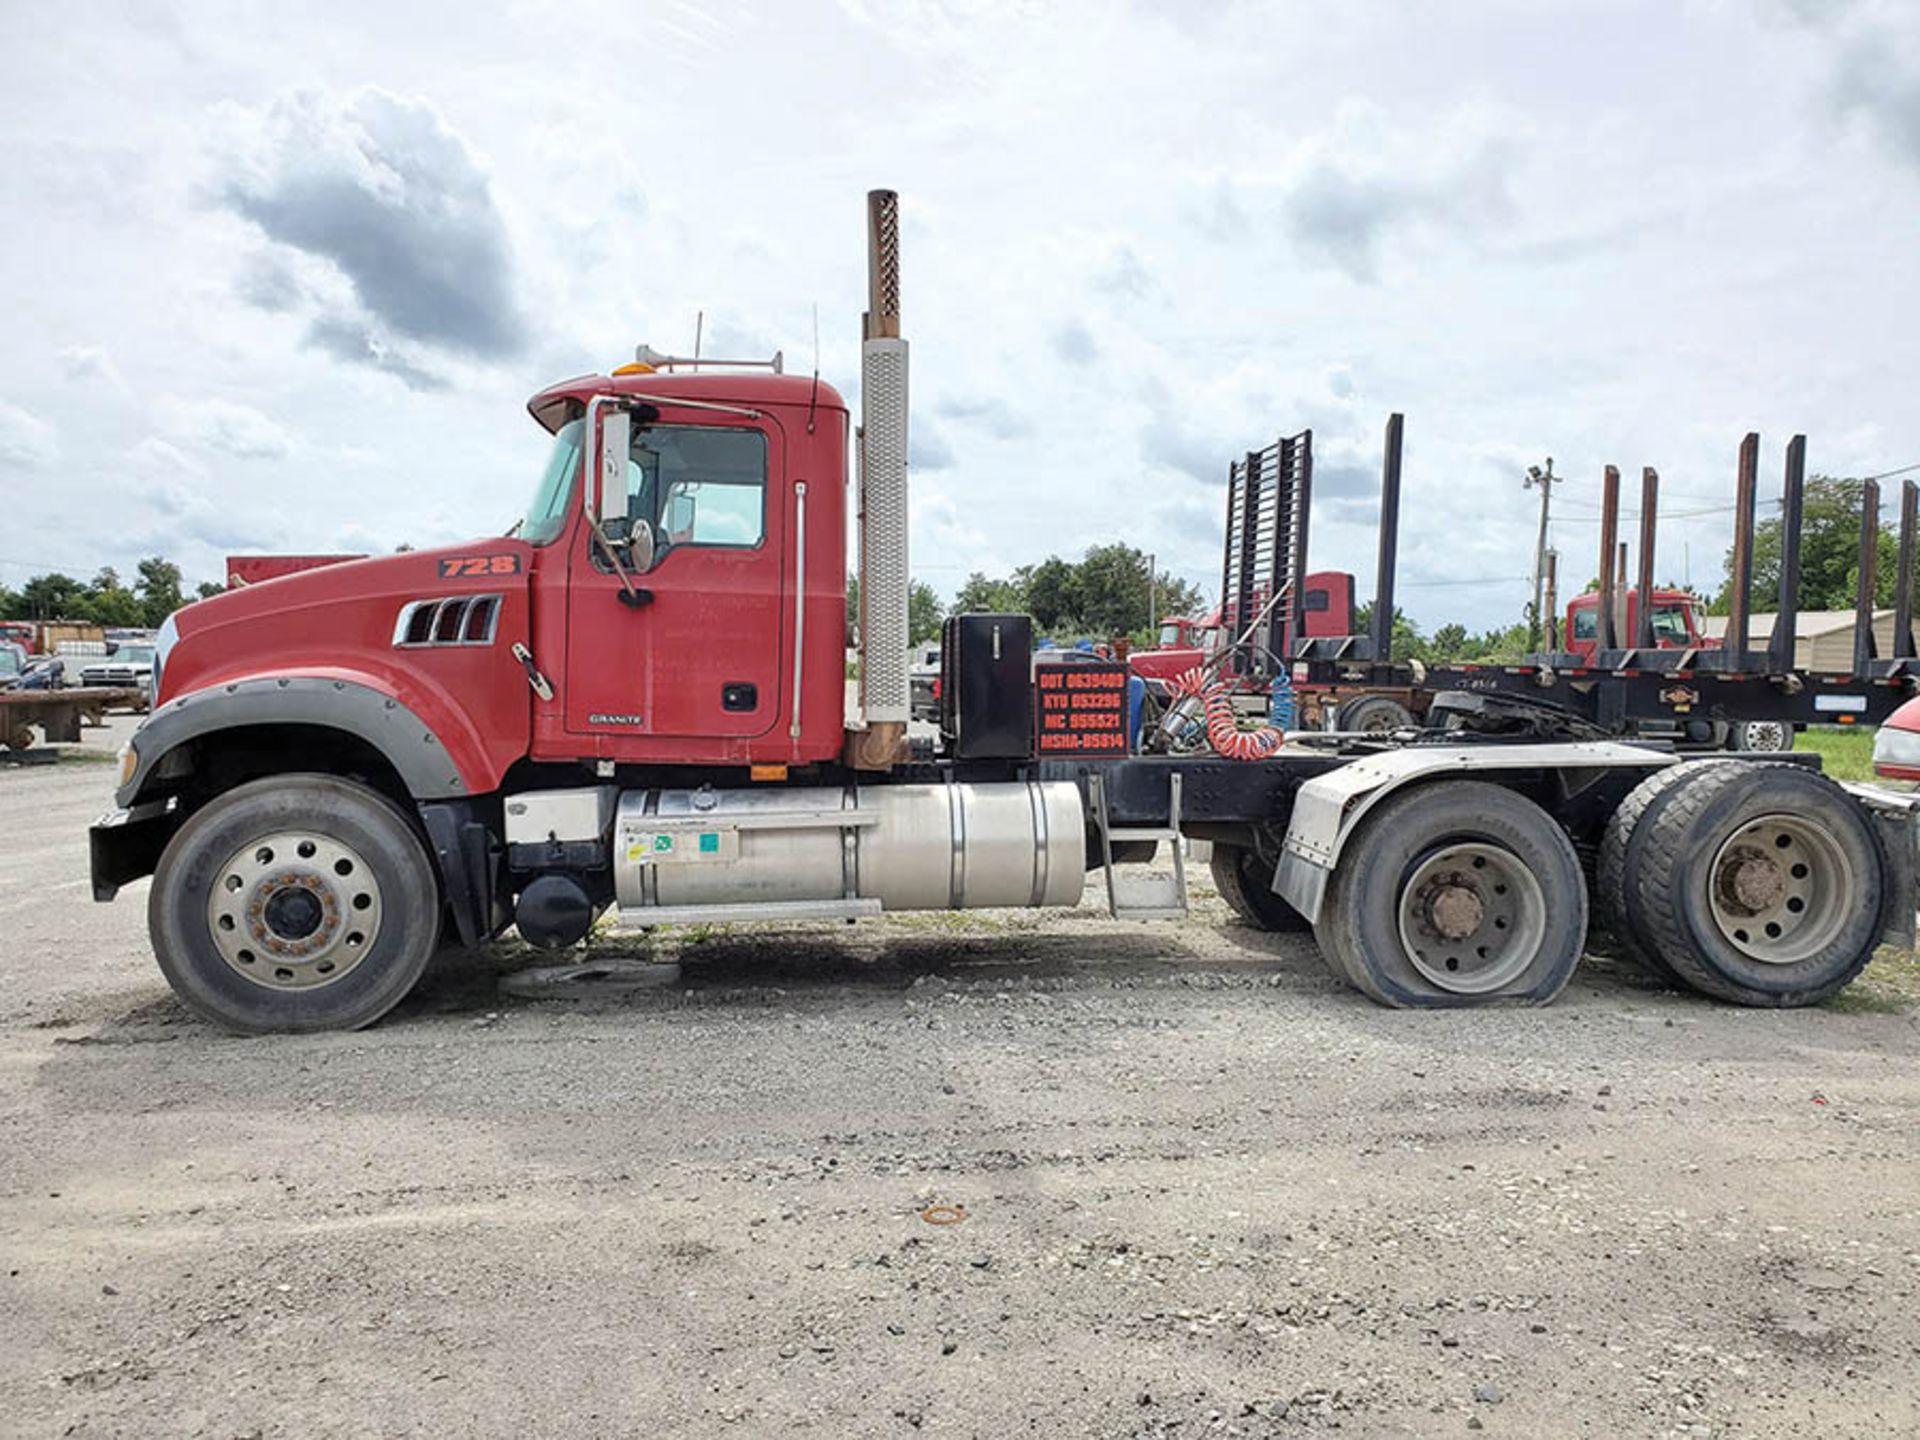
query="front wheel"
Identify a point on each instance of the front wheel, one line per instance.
(297, 902)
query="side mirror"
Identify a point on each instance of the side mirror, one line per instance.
(640, 552)
(616, 440)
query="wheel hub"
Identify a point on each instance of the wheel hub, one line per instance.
(1472, 917)
(1454, 910)
(1780, 888)
(294, 911)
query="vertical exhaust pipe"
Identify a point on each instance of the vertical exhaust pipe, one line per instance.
(1389, 555)
(1605, 638)
(884, 573)
(1786, 623)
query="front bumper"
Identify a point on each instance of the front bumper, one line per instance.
(125, 845)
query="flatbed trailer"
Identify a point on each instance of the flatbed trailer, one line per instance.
(635, 704)
(58, 713)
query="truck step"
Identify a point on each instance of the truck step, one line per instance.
(1141, 896)
(645, 917)
(1147, 896)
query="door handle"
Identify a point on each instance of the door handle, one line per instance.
(539, 682)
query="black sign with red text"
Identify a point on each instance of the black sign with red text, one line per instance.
(1080, 711)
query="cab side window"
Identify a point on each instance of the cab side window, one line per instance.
(699, 485)
(1586, 623)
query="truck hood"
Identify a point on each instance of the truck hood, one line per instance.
(318, 618)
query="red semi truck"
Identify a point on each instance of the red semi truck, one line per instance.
(636, 703)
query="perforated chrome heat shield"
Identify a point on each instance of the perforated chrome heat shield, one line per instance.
(884, 686)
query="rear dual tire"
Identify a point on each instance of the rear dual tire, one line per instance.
(1759, 884)
(1455, 894)
(1245, 882)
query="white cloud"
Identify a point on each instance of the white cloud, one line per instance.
(26, 441)
(228, 427)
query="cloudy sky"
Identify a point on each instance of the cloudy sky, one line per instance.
(287, 283)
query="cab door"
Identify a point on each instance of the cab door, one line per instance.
(701, 658)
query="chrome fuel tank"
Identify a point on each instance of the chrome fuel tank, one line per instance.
(910, 847)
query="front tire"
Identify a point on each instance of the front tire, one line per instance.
(294, 903)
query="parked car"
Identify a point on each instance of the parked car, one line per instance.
(130, 667)
(923, 679)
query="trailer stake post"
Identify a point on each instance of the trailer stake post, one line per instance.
(1865, 586)
(1389, 542)
(1649, 514)
(1792, 498)
(1903, 595)
(1740, 581)
(1605, 638)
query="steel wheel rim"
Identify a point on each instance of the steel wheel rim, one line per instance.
(1780, 888)
(1766, 735)
(1472, 917)
(294, 910)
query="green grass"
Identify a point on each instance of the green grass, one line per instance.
(1888, 986)
(1845, 754)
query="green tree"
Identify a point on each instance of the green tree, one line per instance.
(53, 596)
(1115, 589)
(982, 596)
(1408, 642)
(158, 586)
(207, 589)
(1053, 594)
(11, 606)
(1449, 643)
(924, 612)
(1829, 552)
(108, 602)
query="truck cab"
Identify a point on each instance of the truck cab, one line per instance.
(1676, 622)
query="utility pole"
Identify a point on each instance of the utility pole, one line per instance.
(1153, 599)
(1545, 479)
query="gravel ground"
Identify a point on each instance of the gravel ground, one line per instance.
(1206, 1191)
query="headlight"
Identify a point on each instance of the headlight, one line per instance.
(129, 763)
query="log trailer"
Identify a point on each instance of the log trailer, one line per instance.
(1618, 675)
(635, 701)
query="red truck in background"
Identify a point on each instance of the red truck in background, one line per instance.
(1327, 610)
(252, 569)
(1676, 621)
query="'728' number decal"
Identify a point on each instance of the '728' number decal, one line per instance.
(464, 565)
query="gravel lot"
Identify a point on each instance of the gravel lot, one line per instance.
(1207, 1191)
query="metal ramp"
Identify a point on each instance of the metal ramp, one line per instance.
(1142, 896)
(1269, 496)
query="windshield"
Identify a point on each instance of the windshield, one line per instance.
(1169, 636)
(9, 660)
(1670, 623)
(133, 655)
(547, 514)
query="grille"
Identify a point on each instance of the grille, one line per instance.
(457, 620)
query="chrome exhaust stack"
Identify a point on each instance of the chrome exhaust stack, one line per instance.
(879, 740)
